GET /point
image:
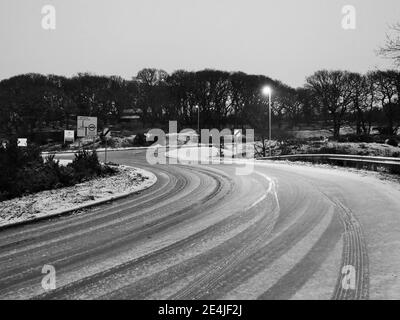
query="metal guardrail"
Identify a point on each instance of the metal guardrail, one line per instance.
(371, 162)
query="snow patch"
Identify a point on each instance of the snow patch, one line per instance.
(52, 202)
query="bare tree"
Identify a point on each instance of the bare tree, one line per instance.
(392, 47)
(371, 101)
(289, 104)
(151, 82)
(387, 84)
(332, 91)
(359, 94)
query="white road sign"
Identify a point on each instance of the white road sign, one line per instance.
(69, 135)
(22, 142)
(107, 132)
(4, 144)
(86, 126)
(237, 133)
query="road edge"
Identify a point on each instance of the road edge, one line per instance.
(80, 207)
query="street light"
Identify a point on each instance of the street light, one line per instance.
(198, 124)
(267, 91)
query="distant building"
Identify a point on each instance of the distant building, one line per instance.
(131, 115)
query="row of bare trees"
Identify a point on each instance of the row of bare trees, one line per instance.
(32, 102)
(342, 93)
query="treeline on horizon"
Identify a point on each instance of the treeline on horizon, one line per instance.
(33, 102)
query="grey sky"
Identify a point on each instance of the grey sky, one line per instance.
(286, 39)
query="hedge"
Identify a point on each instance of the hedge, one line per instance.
(24, 171)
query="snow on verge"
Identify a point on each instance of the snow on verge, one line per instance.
(52, 202)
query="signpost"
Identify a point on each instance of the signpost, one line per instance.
(22, 142)
(69, 136)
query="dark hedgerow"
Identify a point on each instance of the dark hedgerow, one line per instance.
(23, 171)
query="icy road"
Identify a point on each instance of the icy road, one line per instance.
(201, 232)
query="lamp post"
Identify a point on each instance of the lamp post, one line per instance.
(198, 125)
(268, 91)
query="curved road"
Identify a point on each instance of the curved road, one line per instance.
(202, 232)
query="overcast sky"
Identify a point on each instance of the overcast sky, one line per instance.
(286, 39)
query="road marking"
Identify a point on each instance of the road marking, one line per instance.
(271, 189)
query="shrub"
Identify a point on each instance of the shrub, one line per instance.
(3, 195)
(67, 176)
(384, 130)
(34, 178)
(356, 138)
(111, 143)
(12, 161)
(392, 142)
(394, 169)
(283, 135)
(327, 150)
(23, 171)
(140, 140)
(127, 142)
(86, 165)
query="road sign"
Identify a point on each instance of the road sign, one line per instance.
(107, 135)
(4, 144)
(107, 132)
(237, 133)
(69, 135)
(22, 142)
(86, 126)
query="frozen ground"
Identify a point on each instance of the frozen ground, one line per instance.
(50, 202)
(354, 148)
(392, 180)
(326, 133)
(219, 237)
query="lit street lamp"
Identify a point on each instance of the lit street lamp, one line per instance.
(268, 91)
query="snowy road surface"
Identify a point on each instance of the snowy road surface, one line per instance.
(200, 232)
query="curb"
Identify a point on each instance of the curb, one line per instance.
(73, 209)
(45, 153)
